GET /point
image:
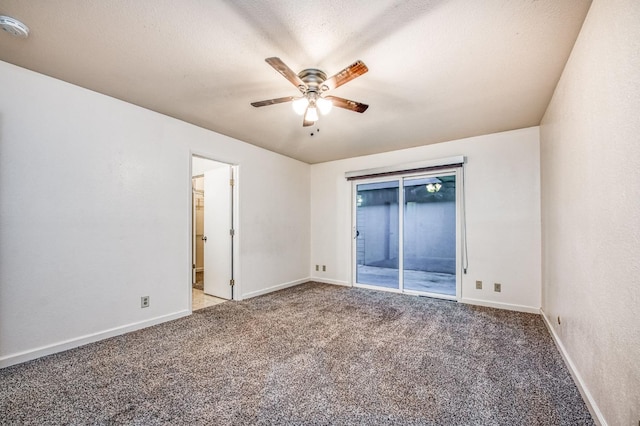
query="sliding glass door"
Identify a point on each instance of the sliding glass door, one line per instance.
(406, 234)
(430, 234)
(377, 232)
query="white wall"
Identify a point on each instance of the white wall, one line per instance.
(503, 214)
(95, 204)
(590, 166)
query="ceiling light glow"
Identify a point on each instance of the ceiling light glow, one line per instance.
(324, 105)
(312, 114)
(300, 105)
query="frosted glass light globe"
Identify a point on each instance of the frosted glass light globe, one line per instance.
(300, 105)
(324, 105)
(312, 114)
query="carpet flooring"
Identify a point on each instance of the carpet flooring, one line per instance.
(313, 354)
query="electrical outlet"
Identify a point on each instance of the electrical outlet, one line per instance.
(317, 267)
(478, 285)
(497, 287)
(324, 268)
(144, 302)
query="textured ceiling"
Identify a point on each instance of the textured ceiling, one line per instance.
(438, 70)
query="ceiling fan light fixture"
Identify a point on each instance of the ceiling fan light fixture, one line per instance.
(300, 105)
(312, 114)
(313, 83)
(324, 105)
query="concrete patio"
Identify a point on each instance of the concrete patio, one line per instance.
(428, 282)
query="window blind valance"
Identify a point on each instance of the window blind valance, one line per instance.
(421, 166)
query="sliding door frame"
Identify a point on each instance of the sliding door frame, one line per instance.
(401, 178)
(354, 232)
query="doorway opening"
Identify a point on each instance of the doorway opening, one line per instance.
(407, 234)
(212, 232)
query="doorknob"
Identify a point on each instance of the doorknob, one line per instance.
(204, 238)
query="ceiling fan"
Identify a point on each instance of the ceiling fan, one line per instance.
(313, 84)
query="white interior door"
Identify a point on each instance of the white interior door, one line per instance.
(217, 224)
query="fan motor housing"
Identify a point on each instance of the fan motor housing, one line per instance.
(312, 77)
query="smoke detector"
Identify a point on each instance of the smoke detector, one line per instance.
(14, 27)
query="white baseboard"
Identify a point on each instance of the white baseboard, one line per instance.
(577, 378)
(275, 288)
(30, 354)
(330, 281)
(500, 305)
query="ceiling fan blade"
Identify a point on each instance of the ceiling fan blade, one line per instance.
(286, 72)
(272, 101)
(347, 104)
(354, 70)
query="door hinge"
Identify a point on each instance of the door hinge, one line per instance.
(232, 282)
(232, 182)
(232, 232)
(194, 266)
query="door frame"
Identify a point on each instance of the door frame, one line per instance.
(235, 223)
(194, 234)
(400, 178)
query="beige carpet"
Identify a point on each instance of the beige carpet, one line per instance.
(313, 354)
